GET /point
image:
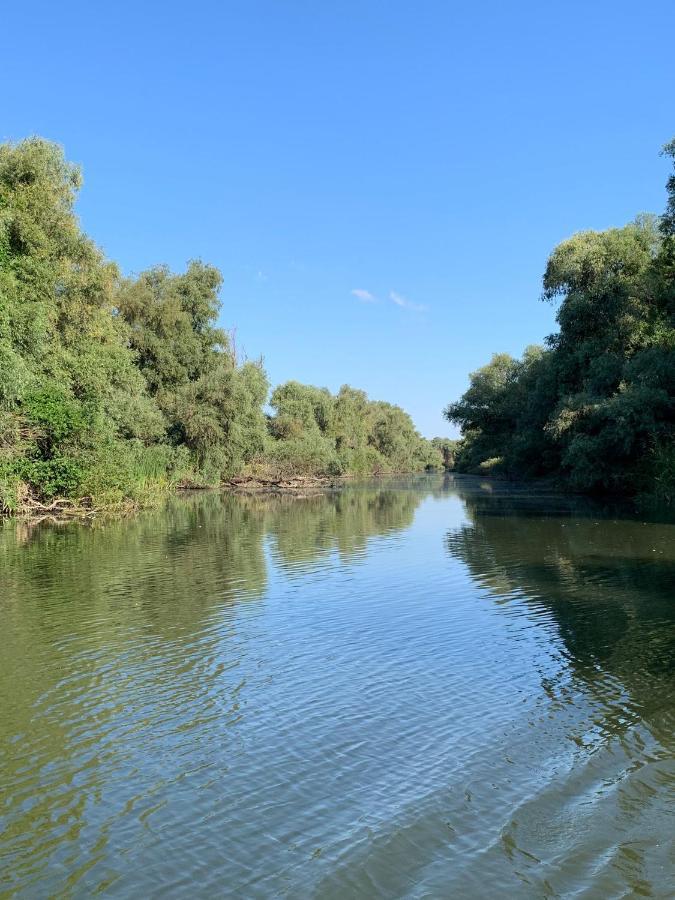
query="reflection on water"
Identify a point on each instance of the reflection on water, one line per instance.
(424, 687)
(608, 584)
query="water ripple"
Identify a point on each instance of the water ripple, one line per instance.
(422, 688)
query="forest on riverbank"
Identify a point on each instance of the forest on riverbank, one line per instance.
(594, 408)
(115, 390)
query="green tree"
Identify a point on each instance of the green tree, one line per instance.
(211, 405)
(115, 390)
(74, 413)
(315, 432)
(597, 407)
(447, 447)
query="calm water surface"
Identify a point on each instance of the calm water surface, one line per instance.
(429, 687)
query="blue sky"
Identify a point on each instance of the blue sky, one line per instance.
(380, 183)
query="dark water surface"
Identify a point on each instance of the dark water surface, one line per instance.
(428, 687)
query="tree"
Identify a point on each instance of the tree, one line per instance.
(70, 394)
(447, 447)
(315, 432)
(597, 407)
(212, 406)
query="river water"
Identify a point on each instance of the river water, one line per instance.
(425, 687)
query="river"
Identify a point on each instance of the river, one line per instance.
(416, 687)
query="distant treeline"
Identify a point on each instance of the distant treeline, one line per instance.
(116, 389)
(595, 407)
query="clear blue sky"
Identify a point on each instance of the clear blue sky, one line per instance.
(429, 153)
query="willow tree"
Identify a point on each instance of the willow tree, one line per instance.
(71, 399)
(212, 406)
(314, 431)
(597, 407)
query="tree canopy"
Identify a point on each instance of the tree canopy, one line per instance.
(595, 407)
(114, 389)
(346, 433)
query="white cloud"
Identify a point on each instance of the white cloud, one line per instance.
(397, 299)
(364, 296)
(404, 303)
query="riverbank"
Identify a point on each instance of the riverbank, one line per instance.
(292, 484)
(84, 509)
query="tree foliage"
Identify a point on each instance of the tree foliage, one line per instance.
(316, 432)
(447, 447)
(596, 406)
(116, 389)
(71, 396)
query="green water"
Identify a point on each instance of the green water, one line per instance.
(425, 687)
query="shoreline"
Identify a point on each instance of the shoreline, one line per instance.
(293, 484)
(83, 510)
(63, 510)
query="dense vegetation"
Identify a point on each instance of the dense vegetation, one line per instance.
(314, 431)
(595, 407)
(115, 389)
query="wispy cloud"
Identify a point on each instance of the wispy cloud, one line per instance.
(404, 303)
(364, 296)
